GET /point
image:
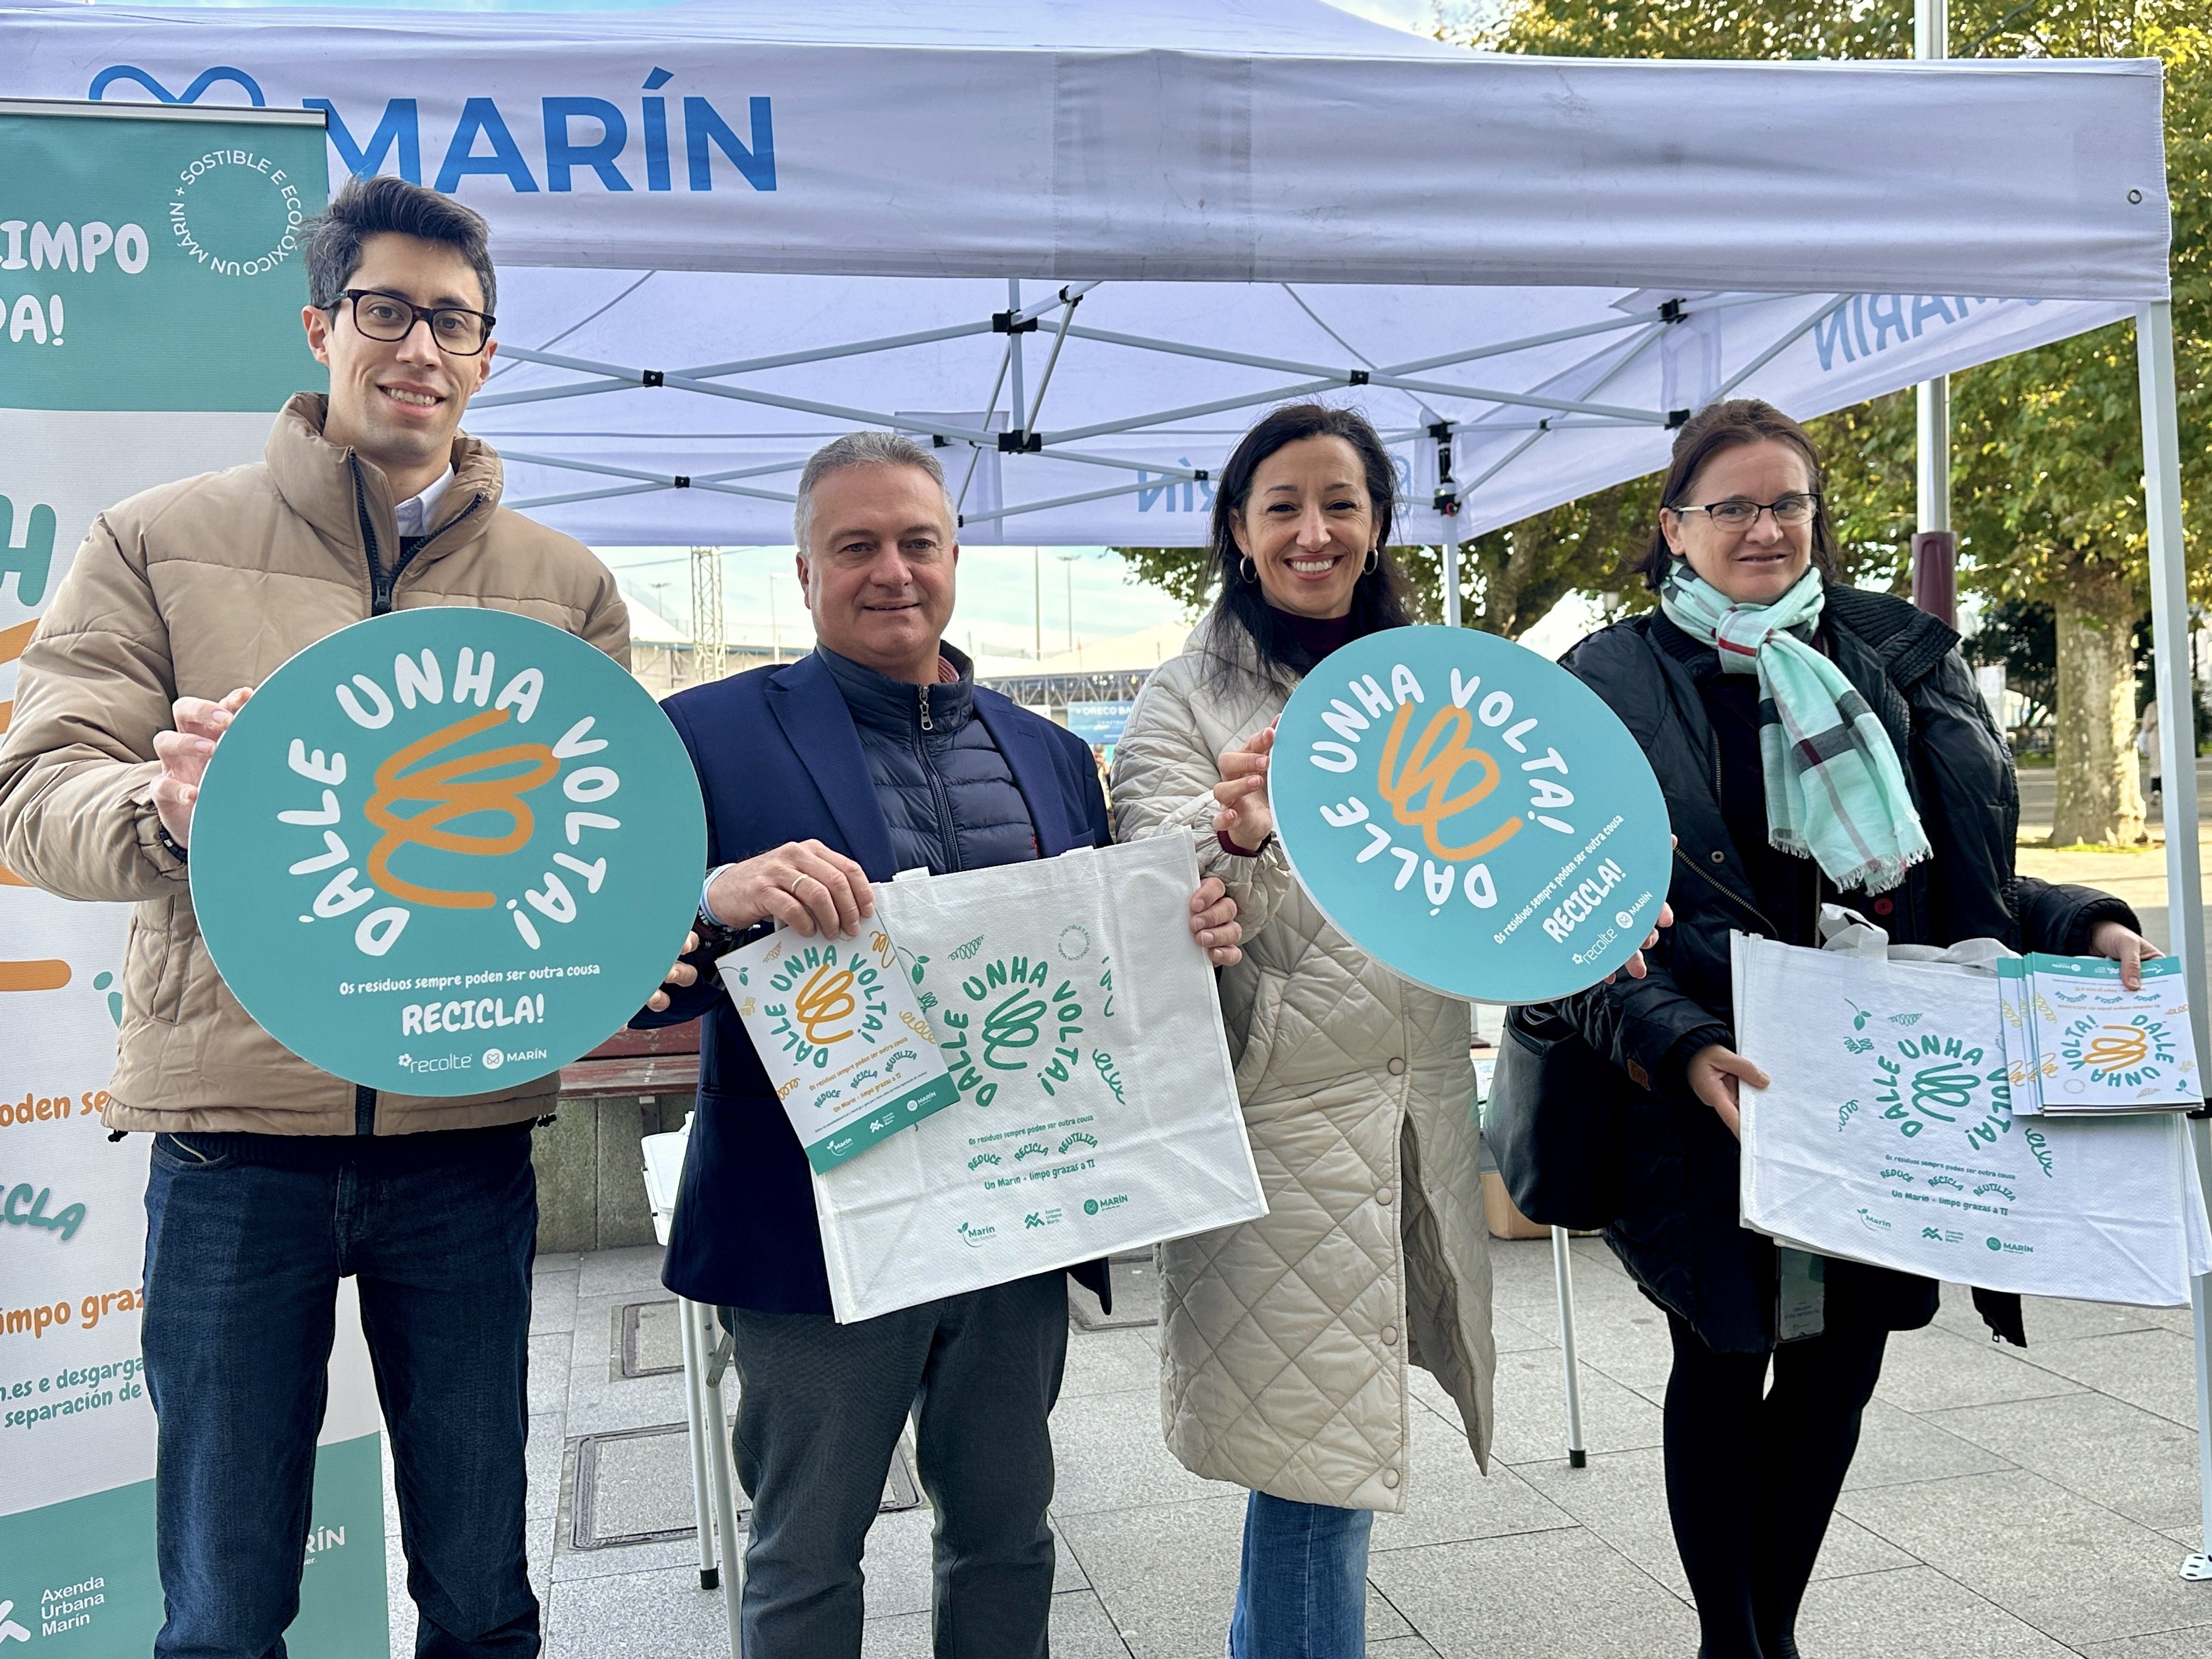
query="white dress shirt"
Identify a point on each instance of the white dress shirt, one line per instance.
(415, 514)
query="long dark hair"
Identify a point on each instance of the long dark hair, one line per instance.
(1724, 425)
(1379, 600)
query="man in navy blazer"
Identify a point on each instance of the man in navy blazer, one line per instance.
(874, 754)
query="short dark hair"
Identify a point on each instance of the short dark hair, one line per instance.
(381, 204)
(1724, 425)
(1378, 601)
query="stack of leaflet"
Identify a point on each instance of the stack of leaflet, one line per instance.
(2078, 1043)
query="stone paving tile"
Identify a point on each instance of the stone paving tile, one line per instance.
(1110, 1455)
(1080, 1630)
(1896, 1447)
(552, 1300)
(1168, 1575)
(557, 1261)
(541, 1459)
(1913, 1612)
(2069, 1567)
(1110, 1362)
(1449, 1500)
(549, 1372)
(1628, 1343)
(1934, 1368)
(614, 1272)
(1621, 1496)
(661, 1611)
(2151, 1369)
(1561, 1593)
(1532, 1411)
(2129, 1459)
(2193, 1642)
(1518, 1333)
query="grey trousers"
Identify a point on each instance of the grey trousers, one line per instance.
(820, 1410)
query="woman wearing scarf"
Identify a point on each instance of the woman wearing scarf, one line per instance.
(1816, 743)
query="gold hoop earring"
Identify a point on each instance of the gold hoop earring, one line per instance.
(1374, 561)
(1246, 570)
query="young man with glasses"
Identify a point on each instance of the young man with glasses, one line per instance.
(270, 1180)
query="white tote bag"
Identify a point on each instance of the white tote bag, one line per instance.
(1887, 1136)
(1098, 1111)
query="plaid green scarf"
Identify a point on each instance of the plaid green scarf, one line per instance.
(1834, 791)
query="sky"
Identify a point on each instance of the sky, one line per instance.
(999, 586)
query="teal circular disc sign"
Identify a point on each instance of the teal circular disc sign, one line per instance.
(447, 850)
(1469, 814)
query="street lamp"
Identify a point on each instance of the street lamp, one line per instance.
(1069, 559)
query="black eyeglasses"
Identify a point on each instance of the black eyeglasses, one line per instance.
(458, 331)
(1796, 507)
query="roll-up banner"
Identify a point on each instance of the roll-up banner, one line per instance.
(150, 288)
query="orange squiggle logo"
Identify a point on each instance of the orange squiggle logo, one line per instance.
(1421, 792)
(2117, 1047)
(825, 998)
(454, 789)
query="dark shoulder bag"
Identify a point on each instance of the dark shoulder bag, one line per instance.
(1553, 1120)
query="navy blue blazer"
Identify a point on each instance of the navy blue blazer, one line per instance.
(779, 760)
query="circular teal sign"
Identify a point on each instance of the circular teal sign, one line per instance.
(447, 850)
(1469, 814)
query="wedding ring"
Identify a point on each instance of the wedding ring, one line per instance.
(795, 880)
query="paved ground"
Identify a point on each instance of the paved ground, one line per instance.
(2003, 1504)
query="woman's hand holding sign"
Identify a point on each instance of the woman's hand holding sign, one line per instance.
(184, 754)
(1245, 816)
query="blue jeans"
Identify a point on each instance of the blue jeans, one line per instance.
(246, 1238)
(1302, 1593)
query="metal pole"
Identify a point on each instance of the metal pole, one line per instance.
(1037, 576)
(1563, 1280)
(694, 1407)
(718, 1475)
(1451, 582)
(1934, 549)
(2177, 736)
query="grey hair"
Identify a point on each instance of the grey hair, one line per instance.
(858, 449)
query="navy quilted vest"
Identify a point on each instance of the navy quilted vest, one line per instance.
(945, 788)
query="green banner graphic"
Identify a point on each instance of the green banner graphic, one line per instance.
(150, 290)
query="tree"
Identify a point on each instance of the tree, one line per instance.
(2046, 447)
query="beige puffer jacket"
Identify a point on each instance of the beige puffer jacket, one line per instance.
(1284, 1342)
(188, 591)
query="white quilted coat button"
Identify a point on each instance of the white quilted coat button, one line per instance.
(1389, 1335)
(1397, 1066)
(1383, 1195)
(1389, 1477)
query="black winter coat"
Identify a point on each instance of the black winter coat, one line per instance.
(1677, 1230)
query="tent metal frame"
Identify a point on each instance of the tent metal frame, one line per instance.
(1019, 320)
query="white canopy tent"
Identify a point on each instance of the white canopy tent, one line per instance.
(1083, 246)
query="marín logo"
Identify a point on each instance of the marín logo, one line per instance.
(9, 1630)
(483, 126)
(494, 1059)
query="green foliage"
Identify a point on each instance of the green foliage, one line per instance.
(2022, 635)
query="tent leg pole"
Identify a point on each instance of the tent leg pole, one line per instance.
(2177, 716)
(1563, 1280)
(1451, 582)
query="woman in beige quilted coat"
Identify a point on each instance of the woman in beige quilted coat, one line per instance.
(1285, 1341)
